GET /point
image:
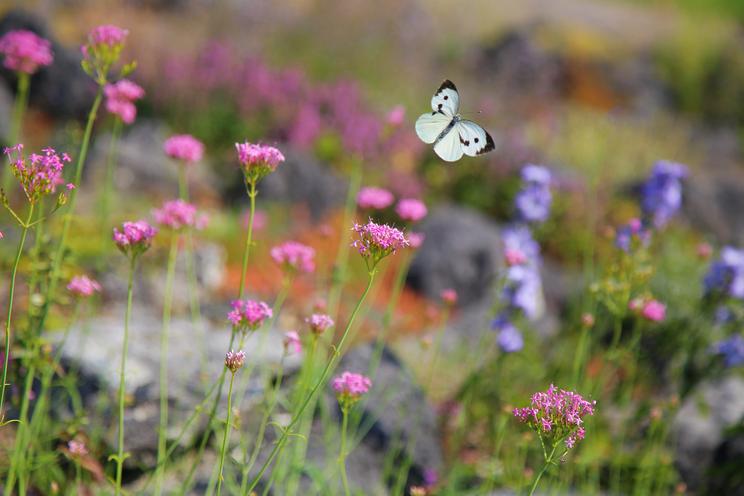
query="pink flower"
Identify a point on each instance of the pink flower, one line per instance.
(134, 238)
(39, 175)
(396, 115)
(557, 414)
(176, 214)
(635, 305)
(704, 251)
(294, 256)
(83, 286)
(249, 314)
(378, 240)
(108, 34)
(25, 51)
(374, 198)
(449, 296)
(411, 210)
(350, 387)
(184, 147)
(654, 311)
(77, 448)
(120, 98)
(319, 322)
(258, 160)
(292, 343)
(514, 257)
(415, 239)
(2, 235)
(587, 320)
(234, 360)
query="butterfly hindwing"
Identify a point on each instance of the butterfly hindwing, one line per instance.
(446, 99)
(473, 138)
(429, 126)
(449, 147)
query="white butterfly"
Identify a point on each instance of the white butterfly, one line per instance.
(452, 135)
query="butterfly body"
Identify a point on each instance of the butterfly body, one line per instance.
(451, 135)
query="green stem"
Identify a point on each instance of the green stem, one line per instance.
(108, 183)
(227, 433)
(9, 317)
(342, 453)
(16, 129)
(249, 239)
(435, 351)
(162, 431)
(323, 376)
(122, 370)
(548, 461)
(19, 449)
(59, 254)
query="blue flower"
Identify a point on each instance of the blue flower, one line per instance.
(632, 230)
(732, 350)
(523, 290)
(662, 192)
(726, 275)
(518, 238)
(534, 199)
(509, 338)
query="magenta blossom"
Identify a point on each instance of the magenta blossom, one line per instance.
(411, 210)
(292, 343)
(234, 360)
(39, 175)
(350, 387)
(653, 310)
(120, 98)
(396, 115)
(25, 51)
(258, 160)
(293, 256)
(416, 239)
(108, 34)
(374, 198)
(249, 314)
(319, 322)
(448, 296)
(177, 214)
(185, 148)
(557, 415)
(134, 238)
(83, 286)
(514, 257)
(77, 448)
(102, 51)
(376, 241)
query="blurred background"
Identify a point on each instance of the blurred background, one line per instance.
(597, 90)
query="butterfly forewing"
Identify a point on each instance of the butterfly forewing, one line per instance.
(449, 147)
(446, 99)
(430, 126)
(473, 138)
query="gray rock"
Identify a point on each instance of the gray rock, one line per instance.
(462, 251)
(700, 426)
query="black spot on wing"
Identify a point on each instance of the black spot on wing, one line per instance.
(489, 145)
(447, 84)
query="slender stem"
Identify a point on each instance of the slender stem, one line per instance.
(67, 220)
(249, 238)
(227, 433)
(162, 431)
(548, 461)
(16, 129)
(342, 453)
(11, 293)
(122, 370)
(323, 376)
(437, 345)
(108, 182)
(19, 450)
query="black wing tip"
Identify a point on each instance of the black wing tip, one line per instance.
(490, 145)
(447, 84)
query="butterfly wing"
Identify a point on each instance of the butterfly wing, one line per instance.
(473, 138)
(449, 147)
(446, 99)
(429, 126)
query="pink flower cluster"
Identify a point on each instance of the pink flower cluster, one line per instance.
(102, 50)
(372, 198)
(416, 239)
(108, 34)
(449, 296)
(258, 160)
(350, 387)
(38, 174)
(557, 414)
(24, 51)
(120, 98)
(83, 286)
(649, 308)
(319, 322)
(378, 240)
(411, 210)
(294, 256)
(234, 360)
(292, 343)
(184, 147)
(249, 314)
(134, 238)
(177, 214)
